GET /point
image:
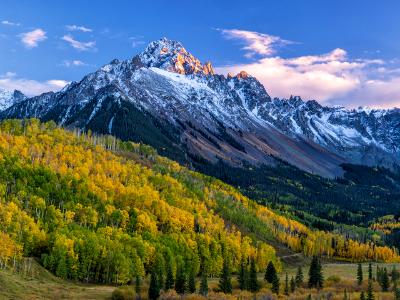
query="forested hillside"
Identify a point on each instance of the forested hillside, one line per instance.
(357, 198)
(96, 209)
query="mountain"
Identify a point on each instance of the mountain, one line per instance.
(8, 99)
(167, 98)
(363, 136)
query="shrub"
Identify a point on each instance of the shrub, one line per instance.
(333, 279)
(123, 293)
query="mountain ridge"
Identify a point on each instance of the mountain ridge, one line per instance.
(197, 113)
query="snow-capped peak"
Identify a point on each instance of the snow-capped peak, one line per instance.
(172, 56)
(171, 85)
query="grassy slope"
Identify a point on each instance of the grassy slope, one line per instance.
(41, 284)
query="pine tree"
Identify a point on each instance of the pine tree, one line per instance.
(362, 295)
(270, 272)
(159, 268)
(204, 284)
(225, 284)
(275, 284)
(287, 285)
(154, 288)
(253, 282)
(192, 281)
(292, 285)
(395, 274)
(243, 276)
(379, 274)
(180, 281)
(169, 279)
(61, 270)
(299, 276)
(359, 274)
(370, 291)
(138, 287)
(369, 271)
(396, 292)
(384, 280)
(315, 274)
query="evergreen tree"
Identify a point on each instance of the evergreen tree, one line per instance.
(204, 284)
(192, 281)
(253, 282)
(359, 274)
(159, 268)
(287, 285)
(369, 271)
(243, 276)
(275, 284)
(180, 280)
(396, 292)
(379, 274)
(138, 287)
(292, 284)
(395, 274)
(362, 295)
(315, 274)
(384, 281)
(61, 270)
(370, 291)
(270, 272)
(169, 279)
(154, 288)
(299, 276)
(225, 284)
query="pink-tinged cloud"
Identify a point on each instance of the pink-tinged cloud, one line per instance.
(374, 93)
(10, 81)
(81, 46)
(31, 39)
(256, 43)
(332, 78)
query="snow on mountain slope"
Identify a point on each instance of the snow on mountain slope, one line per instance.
(165, 97)
(367, 136)
(7, 98)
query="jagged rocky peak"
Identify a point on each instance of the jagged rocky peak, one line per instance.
(18, 96)
(172, 56)
(8, 98)
(242, 75)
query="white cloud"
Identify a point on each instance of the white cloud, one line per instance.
(78, 28)
(8, 75)
(332, 78)
(256, 43)
(82, 46)
(31, 39)
(10, 81)
(136, 41)
(373, 93)
(9, 23)
(73, 63)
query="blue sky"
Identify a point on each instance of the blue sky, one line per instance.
(337, 52)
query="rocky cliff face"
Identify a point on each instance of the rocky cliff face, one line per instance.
(167, 98)
(8, 99)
